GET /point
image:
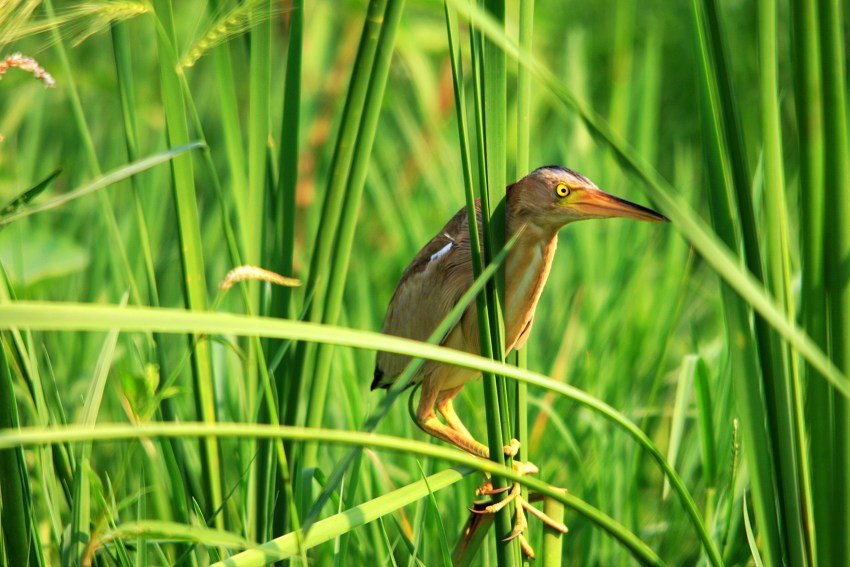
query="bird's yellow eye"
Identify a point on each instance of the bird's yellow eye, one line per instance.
(562, 190)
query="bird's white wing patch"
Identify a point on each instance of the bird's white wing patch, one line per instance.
(441, 252)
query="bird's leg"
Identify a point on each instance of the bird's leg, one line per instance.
(447, 410)
(428, 420)
(454, 432)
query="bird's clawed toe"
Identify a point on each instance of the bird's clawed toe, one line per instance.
(512, 448)
(522, 506)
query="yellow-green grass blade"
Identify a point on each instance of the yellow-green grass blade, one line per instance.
(523, 149)
(77, 547)
(168, 532)
(490, 86)
(435, 512)
(228, 107)
(70, 316)
(376, 507)
(191, 249)
(332, 210)
(725, 172)
(126, 91)
(684, 389)
(288, 159)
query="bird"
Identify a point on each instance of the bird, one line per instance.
(537, 206)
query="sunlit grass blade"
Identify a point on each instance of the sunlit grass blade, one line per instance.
(740, 341)
(789, 401)
(24, 198)
(299, 387)
(435, 512)
(684, 388)
(521, 160)
(490, 68)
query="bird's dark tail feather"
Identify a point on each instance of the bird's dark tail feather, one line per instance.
(376, 383)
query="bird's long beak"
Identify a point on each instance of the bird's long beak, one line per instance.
(599, 204)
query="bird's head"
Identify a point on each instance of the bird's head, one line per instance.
(553, 196)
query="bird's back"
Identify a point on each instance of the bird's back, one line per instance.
(430, 286)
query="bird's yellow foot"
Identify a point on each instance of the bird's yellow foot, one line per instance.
(522, 506)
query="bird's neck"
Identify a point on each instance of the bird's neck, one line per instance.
(526, 273)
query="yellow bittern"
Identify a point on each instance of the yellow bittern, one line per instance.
(540, 204)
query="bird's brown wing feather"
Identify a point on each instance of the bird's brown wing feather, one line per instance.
(427, 291)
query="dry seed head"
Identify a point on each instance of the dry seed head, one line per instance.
(229, 25)
(29, 65)
(244, 273)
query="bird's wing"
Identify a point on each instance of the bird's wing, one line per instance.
(430, 286)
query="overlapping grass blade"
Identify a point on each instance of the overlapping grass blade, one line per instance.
(379, 506)
(21, 541)
(191, 249)
(836, 241)
(355, 182)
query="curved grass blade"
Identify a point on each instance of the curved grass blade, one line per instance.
(378, 506)
(70, 316)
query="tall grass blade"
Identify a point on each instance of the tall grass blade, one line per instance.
(493, 154)
(191, 249)
(523, 149)
(790, 438)
(810, 132)
(351, 205)
(741, 344)
(326, 234)
(836, 253)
